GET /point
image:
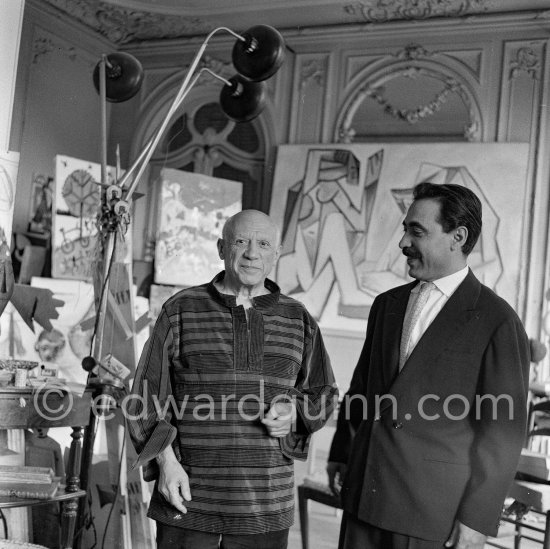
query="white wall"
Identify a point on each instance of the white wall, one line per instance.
(11, 19)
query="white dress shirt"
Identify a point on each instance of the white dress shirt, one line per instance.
(444, 288)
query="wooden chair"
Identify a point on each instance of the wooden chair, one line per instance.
(315, 484)
(538, 419)
(529, 499)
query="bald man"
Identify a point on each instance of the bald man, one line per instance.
(231, 384)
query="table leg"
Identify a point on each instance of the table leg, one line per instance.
(75, 456)
(68, 521)
(70, 507)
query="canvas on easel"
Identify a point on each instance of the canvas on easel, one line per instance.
(193, 210)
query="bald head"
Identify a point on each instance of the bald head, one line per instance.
(250, 218)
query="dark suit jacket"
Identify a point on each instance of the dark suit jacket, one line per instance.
(428, 448)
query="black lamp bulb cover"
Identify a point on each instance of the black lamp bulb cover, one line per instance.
(260, 54)
(123, 76)
(243, 100)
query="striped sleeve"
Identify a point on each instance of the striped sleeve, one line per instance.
(149, 407)
(315, 394)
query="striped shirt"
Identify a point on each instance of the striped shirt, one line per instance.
(207, 376)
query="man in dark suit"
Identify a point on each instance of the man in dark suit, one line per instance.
(433, 423)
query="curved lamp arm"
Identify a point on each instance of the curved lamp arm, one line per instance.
(184, 89)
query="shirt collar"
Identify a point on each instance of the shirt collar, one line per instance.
(265, 302)
(448, 284)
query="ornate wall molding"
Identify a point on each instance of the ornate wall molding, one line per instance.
(43, 45)
(412, 52)
(121, 26)
(412, 116)
(221, 68)
(372, 88)
(313, 70)
(526, 61)
(380, 11)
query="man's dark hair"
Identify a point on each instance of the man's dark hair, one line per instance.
(459, 206)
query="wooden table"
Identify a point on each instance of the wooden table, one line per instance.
(27, 408)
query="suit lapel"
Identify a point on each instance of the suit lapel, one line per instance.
(393, 326)
(447, 325)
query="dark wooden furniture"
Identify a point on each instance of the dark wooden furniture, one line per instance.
(315, 484)
(310, 490)
(27, 408)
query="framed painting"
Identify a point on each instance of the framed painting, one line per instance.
(192, 211)
(341, 209)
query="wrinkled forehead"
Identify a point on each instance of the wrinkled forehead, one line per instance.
(255, 227)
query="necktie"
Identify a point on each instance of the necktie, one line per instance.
(411, 319)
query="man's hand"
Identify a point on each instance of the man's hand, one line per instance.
(279, 418)
(336, 474)
(173, 481)
(464, 537)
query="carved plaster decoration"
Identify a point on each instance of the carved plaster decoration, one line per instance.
(472, 131)
(526, 61)
(379, 11)
(412, 116)
(312, 70)
(122, 26)
(413, 52)
(375, 90)
(42, 45)
(225, 70)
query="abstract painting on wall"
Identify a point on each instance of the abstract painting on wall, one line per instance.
(76, 203)
(342, 207)
(193, 210)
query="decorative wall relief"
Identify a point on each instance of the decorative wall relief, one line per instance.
(378, 11)
(122, 25)
(436, 78)
(341, 209)
(309, 93)
(43, 45)
(526, 60)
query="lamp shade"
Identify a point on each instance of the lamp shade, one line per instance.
(243, 100)
(261, 53)
(123, 76)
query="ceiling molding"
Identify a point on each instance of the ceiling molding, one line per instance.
(130, 22)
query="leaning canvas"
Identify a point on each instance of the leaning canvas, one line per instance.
(342, 207)
(77, 200)
(193, 210)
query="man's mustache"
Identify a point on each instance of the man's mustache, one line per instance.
(411, 253)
